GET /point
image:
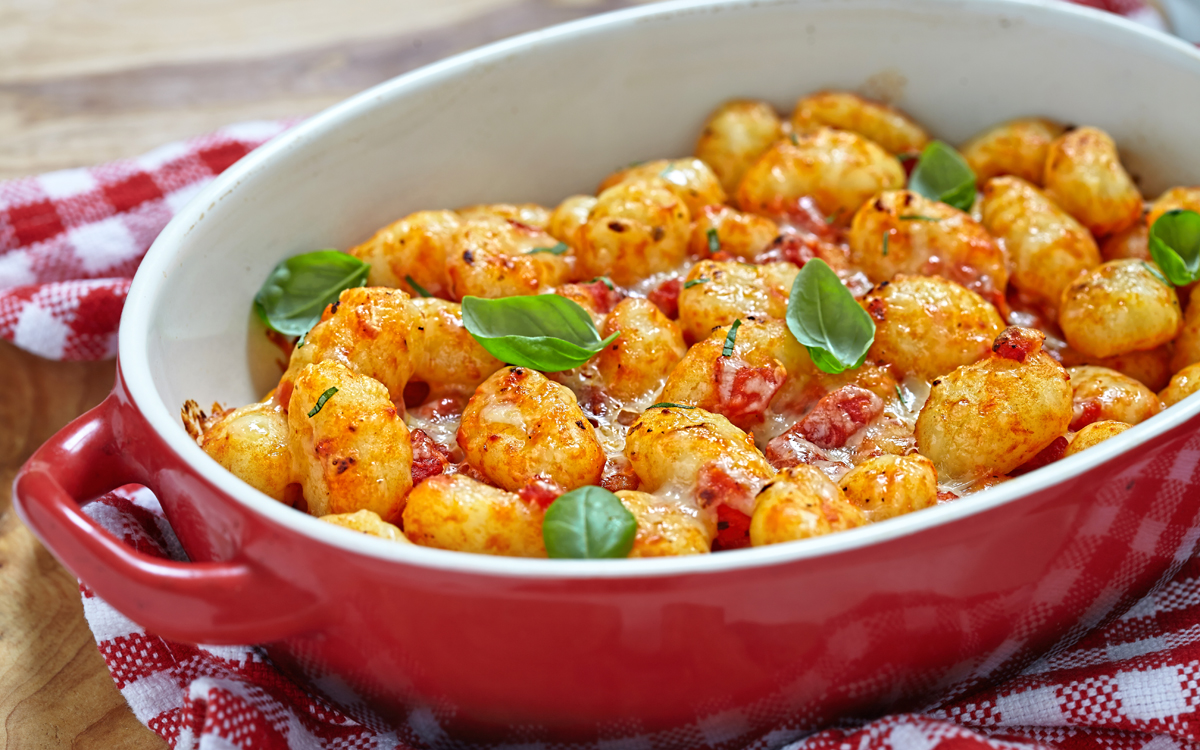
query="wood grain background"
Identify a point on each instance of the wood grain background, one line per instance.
(86, 81)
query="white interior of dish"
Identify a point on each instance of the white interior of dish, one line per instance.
(548, 114)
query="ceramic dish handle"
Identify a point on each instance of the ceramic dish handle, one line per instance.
(203, 602)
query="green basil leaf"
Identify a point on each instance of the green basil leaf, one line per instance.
(731, 338)
(917, 217)
(1175, 245)
(417, 287)
(588, 523)
(824, 316)
(296, 292)
(558, 249)
(943, 175)
(543, 332)
(694, 282)
(668, 405)
(885, 243)
(714, 242)
(603, 280)
(321, 402)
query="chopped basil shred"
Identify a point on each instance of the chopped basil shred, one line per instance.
(588, 523)
(668, 405)
(417, 287)
(603, 280)
(297, 290)
(885, 243)
(795, 140)
(824, 316)
(321, 401)
(900, 395)
(1175, 245)
(543, 332)
(1156, 273)
(558, 249)
(714, 242)
(694, 282)
(942, 174)
(731, 338)
(917, 217)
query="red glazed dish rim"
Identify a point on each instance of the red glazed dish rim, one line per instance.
(145, 293)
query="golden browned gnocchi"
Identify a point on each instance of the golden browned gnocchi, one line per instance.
(1186, 198)
(1121, 306)
(491, 256)
(928, 326)
(902, 232)
(994, 415)
(1047, 247)
(252, 443)
(529, 214)
(716, 293)
(728, 230)
(444, 355)
(1183, 384)
(367, 330)
(367, 522)
(734, 136)
(455, 512)
(889, 486)
(801, 503)
(1093, 434)
(884, 125)
(836, 169)
(521, 425)
(666, 528)
(691, 179)
(778, 338)
(649, 346)
(694, 452)
(1016, 148)
(636, 229)
(765, 368)
(1100, 394)
(1085, 177)
(412, 250)
(568, 218)
(349, 445)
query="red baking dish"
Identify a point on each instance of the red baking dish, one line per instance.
(454, 647)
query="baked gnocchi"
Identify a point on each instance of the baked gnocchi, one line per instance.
(781, 336)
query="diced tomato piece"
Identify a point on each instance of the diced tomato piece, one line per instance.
(733, 529)
(1018, 343)
(666, 296)
(838, 415)
(1048, 455)
(715, 487)
(1086, 412)
(744, 391)
(429, 458)
(541, 491)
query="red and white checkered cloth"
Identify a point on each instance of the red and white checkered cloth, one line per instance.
(69, 243)
(1133, 685)
(71, 240)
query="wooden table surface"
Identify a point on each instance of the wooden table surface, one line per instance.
(86, 81)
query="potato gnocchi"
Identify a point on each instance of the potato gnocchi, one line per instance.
(1021, 331)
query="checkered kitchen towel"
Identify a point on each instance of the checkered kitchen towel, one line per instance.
(71, 240)
(1134, 684)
